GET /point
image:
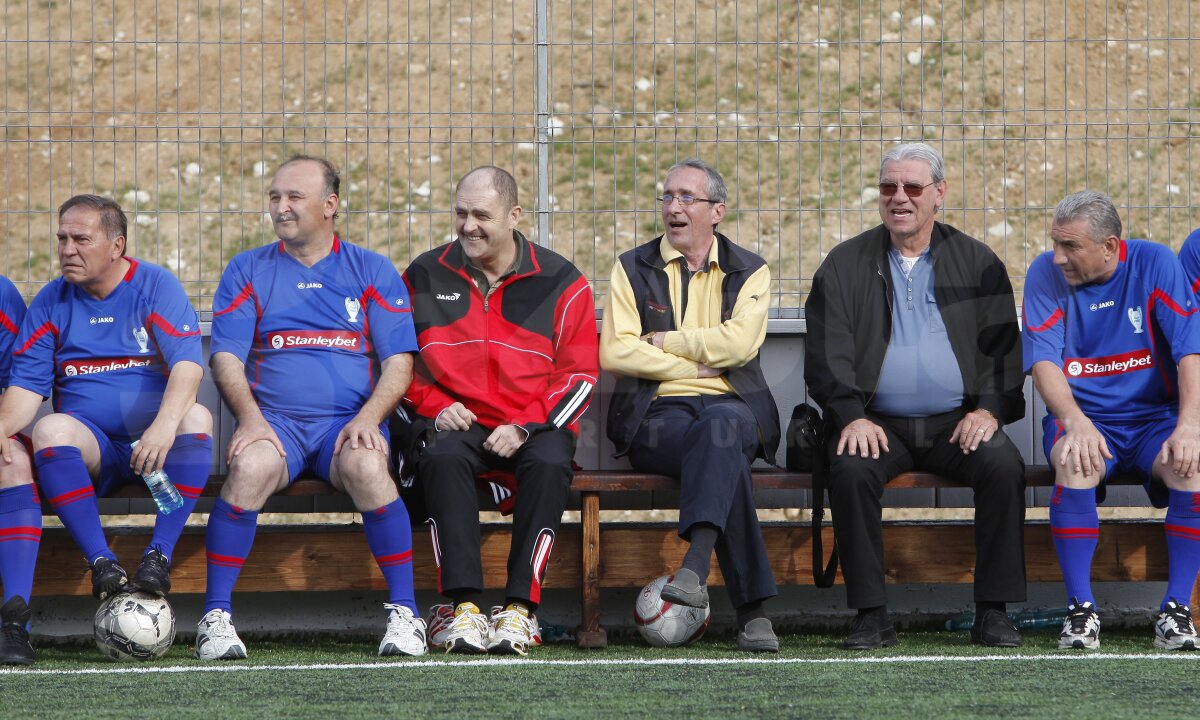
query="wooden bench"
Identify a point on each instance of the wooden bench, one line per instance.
(590, 555)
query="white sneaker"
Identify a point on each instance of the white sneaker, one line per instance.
(441, 617)
(405, 634)
(468, 631)
(1174, 629)
(513, 632)
(1081, 627)
(216, 639)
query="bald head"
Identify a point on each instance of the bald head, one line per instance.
(492, 177)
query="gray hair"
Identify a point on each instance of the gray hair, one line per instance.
(112, 218)
(1095, 207)
(917, 151)
(715, 187)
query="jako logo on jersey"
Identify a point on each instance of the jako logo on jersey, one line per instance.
(309, 286)
(455, 296)
(314, 338)
(1101, 306)
(72, 368)
(97, 320)
(1135, 319)
(1111, 365)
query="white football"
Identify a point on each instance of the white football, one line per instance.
(666, 624)
(135, 626)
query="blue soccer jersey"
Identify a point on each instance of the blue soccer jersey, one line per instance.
(1189, 257)
(12, 312)
(108, 360)
(1117, 342)
(312, 338)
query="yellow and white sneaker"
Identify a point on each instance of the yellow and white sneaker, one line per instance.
(514, 630)
(468, 631)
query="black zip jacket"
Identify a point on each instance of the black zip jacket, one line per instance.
(849, 318)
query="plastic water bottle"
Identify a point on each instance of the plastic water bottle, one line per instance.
(1051, 619)
(166, 495)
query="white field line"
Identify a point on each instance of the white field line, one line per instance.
(631, 662)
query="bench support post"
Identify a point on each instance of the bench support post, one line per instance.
(590, 634)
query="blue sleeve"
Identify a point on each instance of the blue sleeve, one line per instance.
(173, 322)
(12, 312)
(1189, 257)
(389, 312)
(1171, 303)
(1043, 327)
(37, 341)
(235, 311)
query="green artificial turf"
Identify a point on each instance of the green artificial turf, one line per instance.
(935, 675)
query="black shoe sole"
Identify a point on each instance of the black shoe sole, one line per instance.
(21, 659)
(887, 638)
(105, 590)
(679, 596)
(466, 648)
(152, 587)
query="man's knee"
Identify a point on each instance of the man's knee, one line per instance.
(854, 475)
(1066, 474)
(196, 420)
(999, 465)
(725, 426)
(361, 468)
(547, 455)
(19, 471)
(256, 473)
(58, 430)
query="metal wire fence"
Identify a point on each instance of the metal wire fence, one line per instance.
(181, 109)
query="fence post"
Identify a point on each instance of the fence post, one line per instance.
(542, 23)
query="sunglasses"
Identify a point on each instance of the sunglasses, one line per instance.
(912, 190)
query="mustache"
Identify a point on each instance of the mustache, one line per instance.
(284, 217)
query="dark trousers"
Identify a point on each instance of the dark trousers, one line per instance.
(447, 468)
(995, 471)
(709, 442)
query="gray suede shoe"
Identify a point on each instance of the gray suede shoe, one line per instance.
(684, 588)
(758, 636)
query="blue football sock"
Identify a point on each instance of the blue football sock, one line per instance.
(229, 539)
(389, 535)
(20, 535)
(1183, 545)
(1076, 529)
(68, 487)
(187, 466)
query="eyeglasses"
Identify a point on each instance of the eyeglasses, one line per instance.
(685, 200)
(912, 190)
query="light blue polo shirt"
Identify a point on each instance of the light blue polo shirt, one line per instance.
(920, 374)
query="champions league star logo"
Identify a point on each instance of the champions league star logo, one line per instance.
(1135, 319)
(143, 339)
(352, 308)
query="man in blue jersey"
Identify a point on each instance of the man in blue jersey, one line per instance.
(312, 343)
(117, 344)
(1189, 256)
(1111, 340)
(20, 507)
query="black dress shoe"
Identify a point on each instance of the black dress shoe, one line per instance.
(993, 628)
(870, 631)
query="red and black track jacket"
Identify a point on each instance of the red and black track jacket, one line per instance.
(525, 356)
